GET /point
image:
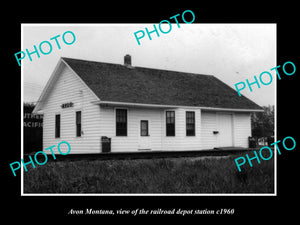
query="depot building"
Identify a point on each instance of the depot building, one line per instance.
(140, 109)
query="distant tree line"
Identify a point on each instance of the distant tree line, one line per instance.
(262, 123)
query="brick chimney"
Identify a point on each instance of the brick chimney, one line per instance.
(127, 60)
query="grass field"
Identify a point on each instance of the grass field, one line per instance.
(168, 175)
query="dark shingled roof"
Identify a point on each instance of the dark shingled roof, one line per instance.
(118, 83)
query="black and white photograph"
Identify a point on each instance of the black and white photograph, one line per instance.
(143, 112)
(159, 117)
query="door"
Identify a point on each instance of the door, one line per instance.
(144, 136)
(225, 128)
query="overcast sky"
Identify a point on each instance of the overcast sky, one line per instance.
(230, 52)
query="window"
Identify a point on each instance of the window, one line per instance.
(78, 124)
(144, 128)
(170, 123)
(121, 122)
(190, 123)
(57, 125)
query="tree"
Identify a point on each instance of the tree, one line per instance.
(262, 123)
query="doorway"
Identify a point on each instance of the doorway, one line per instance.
(225, 127)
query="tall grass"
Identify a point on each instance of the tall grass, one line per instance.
(172, 175)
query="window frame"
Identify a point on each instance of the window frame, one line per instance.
(188, 123)
(147, 130)
(78, 123)
(170, 124)
(57, 125)
(125, 124)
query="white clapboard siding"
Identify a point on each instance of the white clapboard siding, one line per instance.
(172, 142)
(187, 142)
(157, 130)
(69, 88)
(131, 141)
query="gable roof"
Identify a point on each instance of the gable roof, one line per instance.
(119, 83)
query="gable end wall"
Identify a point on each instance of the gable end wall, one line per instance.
(69, 88)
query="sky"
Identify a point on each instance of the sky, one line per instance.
(230, 52)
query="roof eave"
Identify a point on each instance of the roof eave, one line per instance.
(113, 103)
(38, 108)
(41, 99)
